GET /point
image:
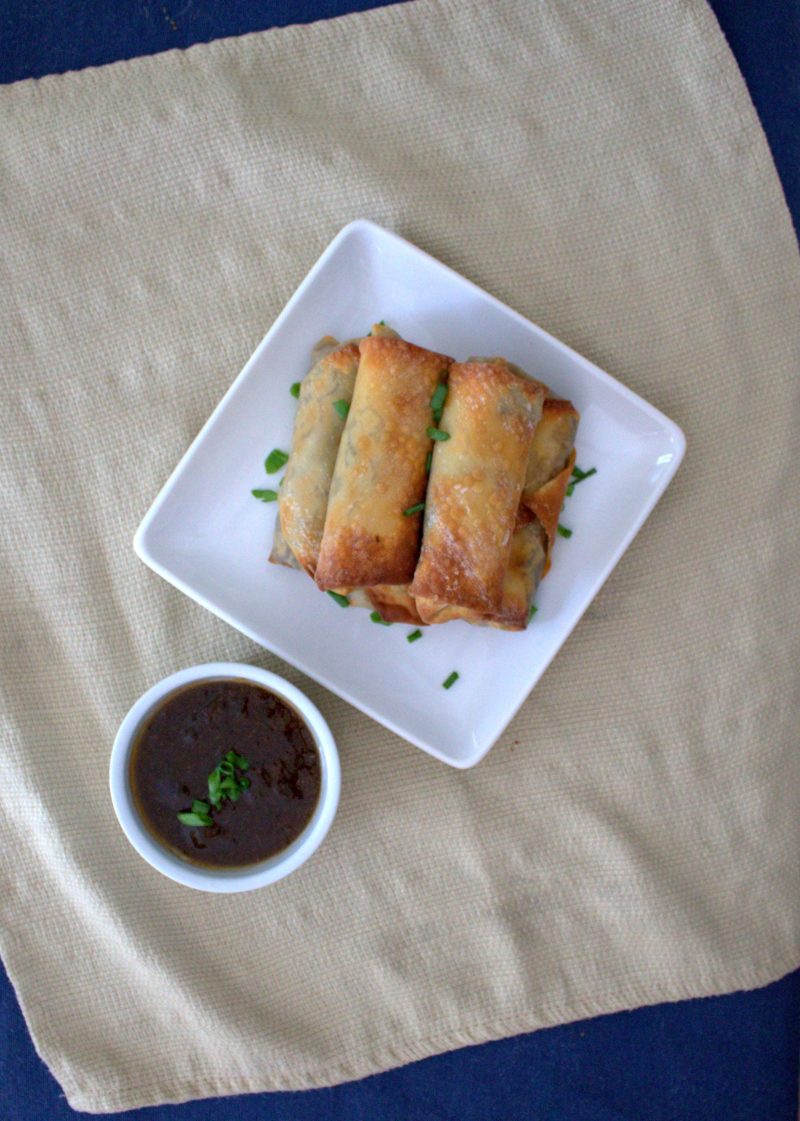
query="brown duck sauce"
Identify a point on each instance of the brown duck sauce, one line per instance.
(186, 737)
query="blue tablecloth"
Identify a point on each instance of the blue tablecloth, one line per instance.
(732, 1058)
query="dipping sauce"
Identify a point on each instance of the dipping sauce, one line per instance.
(193, 749)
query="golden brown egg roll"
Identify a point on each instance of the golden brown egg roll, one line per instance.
(551, 458)
(550, 463)
(525, 570)
(394, 602)
(380, 470)
(474, 492)
(318, 427)
(281, 553)
(315, 443)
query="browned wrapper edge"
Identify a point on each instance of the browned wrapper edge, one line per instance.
(547, 503)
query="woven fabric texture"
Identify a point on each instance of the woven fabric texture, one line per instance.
(634, 836)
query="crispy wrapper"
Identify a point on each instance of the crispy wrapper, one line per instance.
(550, 463)
(380, 469)
(395, 603)
(526, 567)
(474, 492)
(303, 495)
(281, 553)
(551, 458)
(313, 455)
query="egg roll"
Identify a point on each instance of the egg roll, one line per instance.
(394, 602)
(281, 553)
(474, 491)
(315, 443)
(369, 539)
(550, 462)
(318, 426)
(525, 569)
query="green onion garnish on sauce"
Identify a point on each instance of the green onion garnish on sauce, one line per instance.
(265, 495)
(294, 389)
(451, 680)
(223, 782)
(343, 601)
(532, 611)
(194, 819)
(428, 462)
(413, 636)
(564, 532)
(437, 434)
(275, 460)
(415, 509)
(342, 408)
(376, 617)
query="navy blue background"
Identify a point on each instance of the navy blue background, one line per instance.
(732, 1058)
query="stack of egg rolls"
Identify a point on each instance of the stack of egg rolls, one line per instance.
(478, 446)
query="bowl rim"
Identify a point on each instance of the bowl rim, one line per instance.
(225, 880)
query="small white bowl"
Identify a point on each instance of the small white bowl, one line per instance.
(224, 879)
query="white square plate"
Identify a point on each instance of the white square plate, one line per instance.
(209, 537)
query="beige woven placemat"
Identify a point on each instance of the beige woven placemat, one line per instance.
(635, 836)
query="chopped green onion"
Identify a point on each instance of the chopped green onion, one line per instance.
(417, 508)
(275, 460)
(381, 323)
(265, 495)
(294, 389)
(438, 400)
(223, 782)
(564, 532)
(578, 475)
(428, 462)
(570, 489)
(194, 819)
(376, 617)
(437, 434)
(413, 636)
(343, 601)
(451, 680)
(342, 408)
(532, 611)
